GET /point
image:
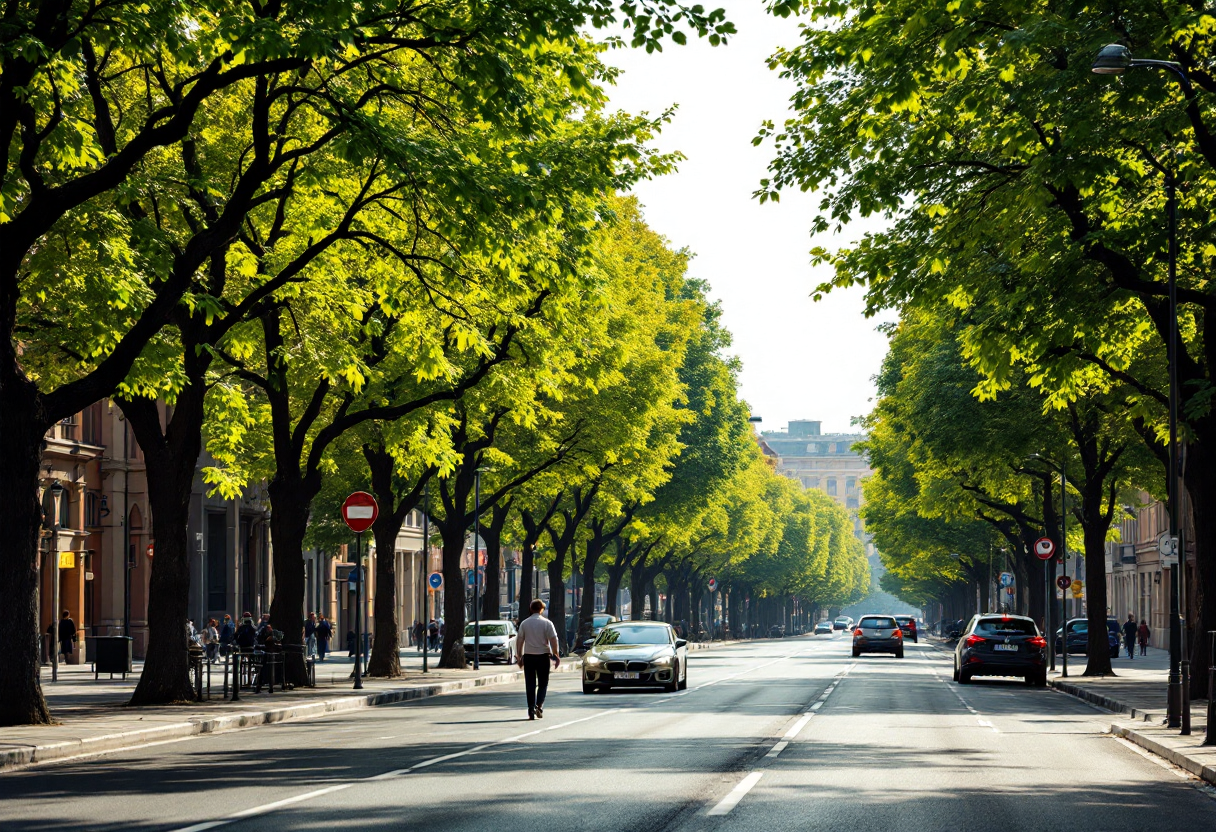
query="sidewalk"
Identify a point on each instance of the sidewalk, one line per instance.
(1137, 696)
(94, 717)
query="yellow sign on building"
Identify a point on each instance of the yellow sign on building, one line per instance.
(67, 560)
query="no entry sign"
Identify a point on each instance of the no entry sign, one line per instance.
(713, 584)
(360, 511)
(1044, 548)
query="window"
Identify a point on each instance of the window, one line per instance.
(812, 448)
(851, 501)
(832, 486)
(65, 509)
(850, 485)
(94, 508)
(814, 482)
(217, 560)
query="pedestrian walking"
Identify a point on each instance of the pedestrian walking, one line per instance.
(310, 634)
(227, 634)
(536, 645)
(1130, 631)
(418, 633)
(350, 643)
(67, 635)
(432, 632)
(1144, 634)
(325, 632)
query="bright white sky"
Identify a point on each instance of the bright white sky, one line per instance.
(801, 359)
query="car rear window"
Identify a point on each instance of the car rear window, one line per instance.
(877, 623)
(994, 626)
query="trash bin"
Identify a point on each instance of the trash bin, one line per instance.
(111, 654)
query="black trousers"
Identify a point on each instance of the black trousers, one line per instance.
(536, 679)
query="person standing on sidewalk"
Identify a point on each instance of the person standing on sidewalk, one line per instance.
(325, 631)
(67, 635)
(227, 634)
(1145, 634)
(1129, 635)
(536, 645)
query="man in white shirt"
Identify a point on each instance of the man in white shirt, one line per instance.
(536, 645)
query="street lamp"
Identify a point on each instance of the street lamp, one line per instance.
(56, 490)
(1115, 59)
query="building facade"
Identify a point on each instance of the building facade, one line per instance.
(825, 462)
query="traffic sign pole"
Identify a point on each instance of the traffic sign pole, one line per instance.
(426, 564)
(360, 511)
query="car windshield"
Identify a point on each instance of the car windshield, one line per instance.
(877, 623)
(486, 630)
(600, 620)
(634, 635)
(1006, 626)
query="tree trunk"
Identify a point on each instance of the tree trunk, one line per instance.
(1098, 646)
(1201, 489)
(527, 563)
(616, 574)
(291, 505)
(452, 652)
(171, 456)
(591, 559)
(22, 428)
(557, 597)
(492, 534)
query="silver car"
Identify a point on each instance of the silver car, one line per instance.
(497, 641)
(636, 654)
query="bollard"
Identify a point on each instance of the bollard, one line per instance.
(1210, 736)
(236, 676)
(227, 659)
(1185, 664)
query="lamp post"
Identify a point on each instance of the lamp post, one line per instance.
(57, 490)
(426, 565)
(476, 570)
(1116, 59)
(1063, 552)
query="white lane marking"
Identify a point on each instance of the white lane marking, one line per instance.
(778, 748)
(278, 804)
(817, 705)
(199, 827)
(988, 724)
(798, 726)
(737, 793)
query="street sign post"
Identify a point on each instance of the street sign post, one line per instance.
(1044, 548)
(435, 580)
(1007, 580)
(1063, 582)
(713, 584)
(360, 511)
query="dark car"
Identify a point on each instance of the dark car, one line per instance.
(878, 634)
(1078, 636)
(1001, 645)
(776, 631)
(908, 624)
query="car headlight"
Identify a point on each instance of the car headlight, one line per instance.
(592, 661)
(663, 661)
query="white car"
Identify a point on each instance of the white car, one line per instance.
(497, 642)
(823, 628)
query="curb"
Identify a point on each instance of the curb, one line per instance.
(1206, 773)
(1113, 705)
(20, 757)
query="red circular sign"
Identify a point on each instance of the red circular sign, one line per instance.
(1044, 548)
(360, 511)
(1063, 582)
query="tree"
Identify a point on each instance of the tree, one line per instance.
(1025, 190)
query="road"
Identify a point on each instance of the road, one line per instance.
(784, 734)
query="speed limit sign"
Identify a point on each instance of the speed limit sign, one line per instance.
(1044, 548)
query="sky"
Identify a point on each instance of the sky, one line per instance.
(801, 359)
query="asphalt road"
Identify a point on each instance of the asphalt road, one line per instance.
(791, 734)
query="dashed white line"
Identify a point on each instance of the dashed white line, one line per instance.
(737, 793)
(798, 726)
(778, 748)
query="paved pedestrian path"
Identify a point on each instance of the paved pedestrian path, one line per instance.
(1137, 695)
(93, 716)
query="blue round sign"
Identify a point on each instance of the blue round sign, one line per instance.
(435, 580)
(1006, 579)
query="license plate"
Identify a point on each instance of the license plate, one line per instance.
(625, 676)
(1012, 648)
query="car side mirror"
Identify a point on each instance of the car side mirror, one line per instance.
(681, 643)
(588, 643)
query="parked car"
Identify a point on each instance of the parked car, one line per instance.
(1078, 636)
(636, 654)
(908, 624)
(878, 634)
(823, 627)
(776, 631)
(842, 623)
(497, 640)
(1001, 645)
